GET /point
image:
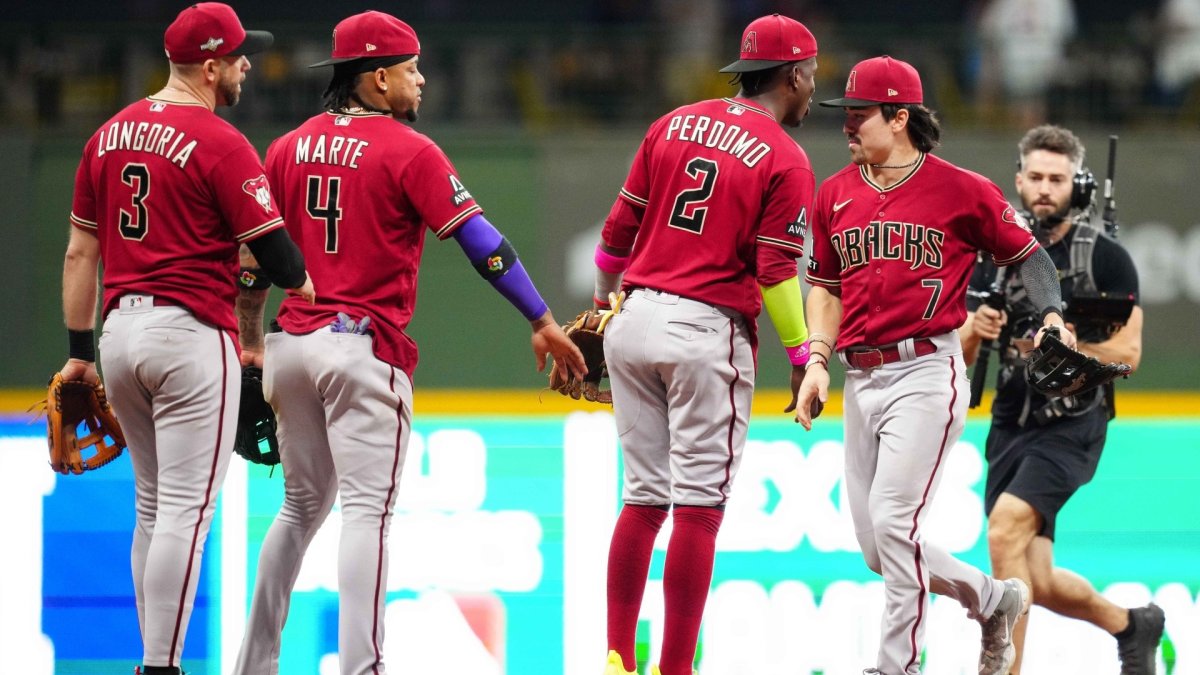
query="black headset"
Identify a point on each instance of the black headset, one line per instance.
(1083, 188)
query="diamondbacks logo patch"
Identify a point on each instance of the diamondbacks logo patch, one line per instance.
(1011, 215)
(260, 190)
(212, 44)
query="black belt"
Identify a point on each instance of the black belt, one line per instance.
(875, 357)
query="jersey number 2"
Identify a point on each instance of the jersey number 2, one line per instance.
(134, 225)
(328, 209)
(687, 215)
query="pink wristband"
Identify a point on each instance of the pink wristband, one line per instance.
(798, 354)
(607, 262)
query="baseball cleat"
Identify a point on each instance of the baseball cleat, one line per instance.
(997, 653)
(1139, 651)
(615, 666)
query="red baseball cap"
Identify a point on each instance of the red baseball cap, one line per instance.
(879, 80)
(371, 35)
(771, 41)
(208, 30)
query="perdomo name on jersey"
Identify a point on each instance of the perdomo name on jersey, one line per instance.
(159, 139)
(703, 130)
(339, 150)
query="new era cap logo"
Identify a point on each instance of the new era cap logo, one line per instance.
(212, 44)
(750, 44)
(795, 49)
(371, 47)
(893, 92)
(850, 81)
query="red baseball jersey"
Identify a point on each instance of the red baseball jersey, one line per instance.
(902, 256)
(717, 179)
(357, 192)
(170, 190)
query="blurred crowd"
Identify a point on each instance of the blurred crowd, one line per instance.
(586, 63)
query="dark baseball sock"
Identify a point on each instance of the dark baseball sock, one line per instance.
(1128, 632)
(161, 670)
(686, 580)
(628, 564)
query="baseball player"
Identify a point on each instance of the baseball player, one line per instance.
(895, 235)
(358, 190)
(1039, 450)
(705, 231)
(164, 193)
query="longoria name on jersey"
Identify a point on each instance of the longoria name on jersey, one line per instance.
(915, 244)
(159, 139)
(338, 150)
(730, 138)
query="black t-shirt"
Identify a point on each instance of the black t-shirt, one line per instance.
(1113, 272)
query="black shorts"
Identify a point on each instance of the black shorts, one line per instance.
(1044, 465)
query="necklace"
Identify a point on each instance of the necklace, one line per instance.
(898, 166)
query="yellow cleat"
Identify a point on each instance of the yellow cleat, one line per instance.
(615, 666)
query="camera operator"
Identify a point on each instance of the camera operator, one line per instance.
(1040, 450)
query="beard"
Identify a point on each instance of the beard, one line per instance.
(411, 115)
(1051, 220)
(229, 92)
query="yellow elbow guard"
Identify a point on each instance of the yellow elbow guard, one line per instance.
(785, 305)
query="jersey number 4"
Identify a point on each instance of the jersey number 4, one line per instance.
(133, 225)
(324, 203)
(688, 214)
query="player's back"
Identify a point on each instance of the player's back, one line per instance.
(706, 169)
(169, 189)
(353, 205)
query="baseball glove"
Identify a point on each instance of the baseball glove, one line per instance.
(73, 407)
(255, 439)
(1056, 370)
(587, 332)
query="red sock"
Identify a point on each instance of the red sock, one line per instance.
(686, 579)
(628, 564)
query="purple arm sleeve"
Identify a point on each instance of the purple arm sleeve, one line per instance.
(480, 239)
(477, 237)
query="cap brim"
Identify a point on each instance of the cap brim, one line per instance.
(255, 42)
(849, 103)
(334, 62)
(749, 66)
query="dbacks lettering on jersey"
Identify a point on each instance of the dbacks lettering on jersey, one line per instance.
(260, 190)
(915, 244)
(704, 131)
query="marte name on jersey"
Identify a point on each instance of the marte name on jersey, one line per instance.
(159, 139)
(336, 150)
(915, 244)
(705, 131)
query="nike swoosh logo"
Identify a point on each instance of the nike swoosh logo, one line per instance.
(838, 207)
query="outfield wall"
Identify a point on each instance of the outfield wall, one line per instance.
(500, 539)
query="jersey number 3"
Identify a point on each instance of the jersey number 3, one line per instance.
(134, 225)
(687, 214)
(323, 203)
